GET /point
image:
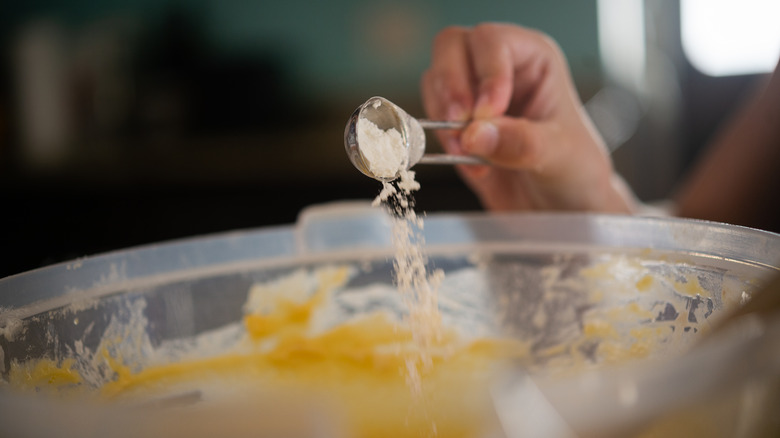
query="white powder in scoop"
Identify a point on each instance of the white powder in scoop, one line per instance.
(383, 149)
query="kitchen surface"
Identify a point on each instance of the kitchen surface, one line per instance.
(127, 123)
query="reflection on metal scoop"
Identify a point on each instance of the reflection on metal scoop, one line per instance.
(387, 115)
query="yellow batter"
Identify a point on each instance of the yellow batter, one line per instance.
(369, 368)
(362, 366)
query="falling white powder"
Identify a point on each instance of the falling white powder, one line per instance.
(418, 289)
(384, 150)
(388, 157)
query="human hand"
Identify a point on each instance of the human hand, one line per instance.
(527, 120)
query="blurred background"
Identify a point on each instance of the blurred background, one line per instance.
(131, 122)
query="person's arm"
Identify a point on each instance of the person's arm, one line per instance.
(738, 179)
(515, 84)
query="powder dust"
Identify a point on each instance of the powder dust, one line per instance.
(388, 156)
(418, 288)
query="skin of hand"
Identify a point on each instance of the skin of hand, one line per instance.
(527, 120)
(737, 178)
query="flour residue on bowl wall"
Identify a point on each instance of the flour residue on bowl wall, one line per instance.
(297, 335)
(344, 331)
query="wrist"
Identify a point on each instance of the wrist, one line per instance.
(622, 199)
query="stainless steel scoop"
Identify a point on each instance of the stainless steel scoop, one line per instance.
(387, 115)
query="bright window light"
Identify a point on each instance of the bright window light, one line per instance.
(730, 37)
(622, 41)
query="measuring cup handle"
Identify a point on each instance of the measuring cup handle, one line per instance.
(441, 124)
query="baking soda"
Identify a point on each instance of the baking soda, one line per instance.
(417, 287)
(384, 150)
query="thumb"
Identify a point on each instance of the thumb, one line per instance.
(513, 143)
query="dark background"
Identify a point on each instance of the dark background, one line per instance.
(125, 123)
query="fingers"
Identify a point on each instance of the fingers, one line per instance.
(470, 73)
(515, 143)
(493, 70)
(447, 84)
(484, 71)
(527, 119)
(520, 72)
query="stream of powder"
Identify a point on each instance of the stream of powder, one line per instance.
(418, 288)
(384, 150)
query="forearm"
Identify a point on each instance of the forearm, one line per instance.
(737, 180)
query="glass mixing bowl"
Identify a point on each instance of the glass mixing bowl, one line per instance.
(609, 307)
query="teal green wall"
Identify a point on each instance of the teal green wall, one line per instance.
(322, 42)
(324, 38)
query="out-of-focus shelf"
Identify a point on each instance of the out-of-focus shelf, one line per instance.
(307, 155)
(303, 154)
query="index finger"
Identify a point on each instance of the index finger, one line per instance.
(516, 68)
(447, 85)
(493, 66)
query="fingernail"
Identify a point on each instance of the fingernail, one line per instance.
(484, 139)
(482, 109)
